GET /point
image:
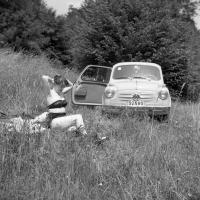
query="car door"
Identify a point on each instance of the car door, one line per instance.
(90, 86)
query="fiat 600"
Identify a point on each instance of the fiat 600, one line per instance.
(135, 86)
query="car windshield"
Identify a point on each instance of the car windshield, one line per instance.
(137, 72)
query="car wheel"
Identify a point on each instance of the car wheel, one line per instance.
(160, 118)
(163, 118)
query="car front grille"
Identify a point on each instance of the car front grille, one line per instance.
(144, 96)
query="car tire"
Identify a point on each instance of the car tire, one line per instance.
(160, 118)
(164, 118)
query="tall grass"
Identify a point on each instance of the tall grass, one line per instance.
(21, 85)
(142, 160)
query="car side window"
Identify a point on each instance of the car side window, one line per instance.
(89, 74)
(96, 74)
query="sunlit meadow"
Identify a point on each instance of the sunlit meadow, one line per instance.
(142, 160)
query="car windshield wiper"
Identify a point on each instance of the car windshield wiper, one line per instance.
(125, 77)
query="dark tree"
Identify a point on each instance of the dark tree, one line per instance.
(109, 31)
(29, 25)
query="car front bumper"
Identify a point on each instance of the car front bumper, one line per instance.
(149, 110)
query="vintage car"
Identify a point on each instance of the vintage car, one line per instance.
(135, 86)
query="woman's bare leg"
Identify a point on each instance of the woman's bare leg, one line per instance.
(66, 122)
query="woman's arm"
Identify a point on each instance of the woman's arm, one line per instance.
(68, 86)
(66, 89)
(69, 82)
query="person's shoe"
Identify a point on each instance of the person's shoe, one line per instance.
(100, 140)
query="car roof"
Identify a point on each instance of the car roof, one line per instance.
(137, 63)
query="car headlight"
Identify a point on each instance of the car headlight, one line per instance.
(163, 94)
(110, 91)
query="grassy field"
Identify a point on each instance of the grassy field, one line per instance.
(142, 160)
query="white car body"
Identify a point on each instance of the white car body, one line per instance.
(98, 86)
(137, 93)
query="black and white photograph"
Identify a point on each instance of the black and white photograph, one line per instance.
(99, 99)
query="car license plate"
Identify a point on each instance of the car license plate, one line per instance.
(135, 103)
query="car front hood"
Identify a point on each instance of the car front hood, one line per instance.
(136, 84)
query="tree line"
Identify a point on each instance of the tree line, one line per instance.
(105, 32)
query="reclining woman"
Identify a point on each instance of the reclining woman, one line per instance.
(56, 117)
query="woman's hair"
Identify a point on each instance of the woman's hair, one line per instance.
(60, 80)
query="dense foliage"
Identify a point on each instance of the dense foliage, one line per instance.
(109, 31)
(29, 25)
